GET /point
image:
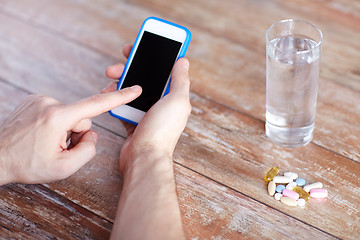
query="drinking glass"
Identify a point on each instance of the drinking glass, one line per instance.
(293, 49)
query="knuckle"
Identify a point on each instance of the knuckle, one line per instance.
(51, 114)
(87, 123)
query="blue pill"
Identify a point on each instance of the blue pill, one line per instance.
(280, 188)
(300, 182)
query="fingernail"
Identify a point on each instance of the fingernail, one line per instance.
(135, 88)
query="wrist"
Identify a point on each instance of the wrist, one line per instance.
(148, 164)
(145, 157)
(5, 175)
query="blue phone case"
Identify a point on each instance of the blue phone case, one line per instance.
(181, 54)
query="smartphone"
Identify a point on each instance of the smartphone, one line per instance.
(157, 47)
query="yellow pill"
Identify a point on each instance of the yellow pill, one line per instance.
(288, 201)
(302, 193)
(271, 174)
(271, 188)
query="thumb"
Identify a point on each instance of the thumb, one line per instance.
(180, 82)
(79, 155)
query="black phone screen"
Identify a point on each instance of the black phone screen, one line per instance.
(151, 68)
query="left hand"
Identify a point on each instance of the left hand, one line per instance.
(158, 132)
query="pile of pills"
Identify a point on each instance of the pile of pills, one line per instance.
(290, 189)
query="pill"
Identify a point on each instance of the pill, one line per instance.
(271, 188)
(300, 182)
(271, 174)
(302, 193)
(301, 202)
(318, 193)
(291, 185)
(313, 185)
(277, 196)
(288, 201)
(280, 188)
(282, 179)
(291, 174)
(290, 194)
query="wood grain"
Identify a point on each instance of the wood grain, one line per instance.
(222, 213)
(232, 149)
(241, 77)
(34, 212)
(209, 209)
(62, 49)
(96, 187)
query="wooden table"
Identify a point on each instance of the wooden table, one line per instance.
(61, 48)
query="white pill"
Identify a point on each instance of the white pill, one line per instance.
(291, 186)
(271, 188)
(291, 174)
(318, 193)
(312, 186)
(277, 196)
(282, 179)
(301, 202)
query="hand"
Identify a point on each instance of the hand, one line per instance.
(33, 141)
(148, 206)
(159, 130)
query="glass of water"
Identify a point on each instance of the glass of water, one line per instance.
(293, 50)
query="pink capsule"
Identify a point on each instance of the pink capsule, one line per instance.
(290, 194)
(318, 193)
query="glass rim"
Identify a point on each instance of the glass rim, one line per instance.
(318, 44)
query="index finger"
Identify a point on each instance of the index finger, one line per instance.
(100, 103)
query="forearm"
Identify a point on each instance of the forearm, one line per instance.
(148, 207)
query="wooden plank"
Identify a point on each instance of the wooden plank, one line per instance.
(214, 153)
(212, 211)
(237, 157)
(228, 84)
(245, 22)
(232, 149)
(34, 212)
(209, 210)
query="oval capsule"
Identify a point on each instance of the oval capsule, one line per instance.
(312, 186)
(318, 193)
(290, 194)
(271, 188)
(288, 201)
(291, 174)
(302, 193)
(271, 174)
(282, 179)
